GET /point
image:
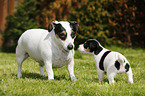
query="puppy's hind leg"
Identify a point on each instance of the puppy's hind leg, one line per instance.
(20, 56)
(130, 75)
(111, 73)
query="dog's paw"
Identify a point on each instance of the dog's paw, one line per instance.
(43, 75)
(73, 79)
(130, 81)
(19, 75)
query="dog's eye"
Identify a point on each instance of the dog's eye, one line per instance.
(85, 46)
(62, 35)
(73, 34)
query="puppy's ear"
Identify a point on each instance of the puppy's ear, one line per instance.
(51, 26)
(75, 26)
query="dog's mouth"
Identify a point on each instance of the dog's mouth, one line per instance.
(65, 50)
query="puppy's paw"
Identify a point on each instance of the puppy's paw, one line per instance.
(73, 79)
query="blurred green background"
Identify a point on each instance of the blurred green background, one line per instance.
(118, 22)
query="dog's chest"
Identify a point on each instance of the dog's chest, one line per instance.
(60, 59)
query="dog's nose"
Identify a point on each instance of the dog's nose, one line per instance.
(70, 46)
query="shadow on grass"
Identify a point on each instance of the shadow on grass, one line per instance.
(33, 76)
(96, 80)
(61, 77)
(105, 80)
(2, 93)
(37, 76)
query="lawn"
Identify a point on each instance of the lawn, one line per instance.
(32, 84)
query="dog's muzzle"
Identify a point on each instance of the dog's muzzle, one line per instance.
(70, 47)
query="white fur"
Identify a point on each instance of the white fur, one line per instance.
(109, 66)
(47, 50)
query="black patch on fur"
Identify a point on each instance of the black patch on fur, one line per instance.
(93, 45)
(127, 67)
(50, 27)
(73, 34)
(102, 60)
(75, 26)
(117, 65)
(59, 31)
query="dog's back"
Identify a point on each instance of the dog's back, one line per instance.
(30, 35)
(29, 42)
(117, 60)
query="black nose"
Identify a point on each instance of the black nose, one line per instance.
(70, 46)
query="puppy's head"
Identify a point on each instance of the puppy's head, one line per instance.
(65, 33)
(91, 46)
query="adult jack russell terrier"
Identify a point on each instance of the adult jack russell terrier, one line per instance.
(53, 49)
(107, 61)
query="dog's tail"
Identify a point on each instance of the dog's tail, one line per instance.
(121, 59)
(126, 67)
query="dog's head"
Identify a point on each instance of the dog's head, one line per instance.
(91, 46)
(65, 33)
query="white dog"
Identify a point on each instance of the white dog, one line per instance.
(54, 49)
(107, 61)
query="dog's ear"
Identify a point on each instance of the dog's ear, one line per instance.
(99, 49)
(51, 26)
(75, 26)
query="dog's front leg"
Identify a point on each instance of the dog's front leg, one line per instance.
(70, 67)
(48, 68)
(100, 74)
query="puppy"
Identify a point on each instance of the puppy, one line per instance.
(53, 49)
(107, 61)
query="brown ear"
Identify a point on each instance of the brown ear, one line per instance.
(50, 26)
(75, 26)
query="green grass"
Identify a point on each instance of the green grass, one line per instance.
(32, 84)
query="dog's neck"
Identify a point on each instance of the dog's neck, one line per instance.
(102, 51)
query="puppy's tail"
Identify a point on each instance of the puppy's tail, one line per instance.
(121, 58)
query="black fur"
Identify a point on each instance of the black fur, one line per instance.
(58, 28)
(102, 60)
(117, 65)
(75, 26)
(127, 67)
(50, 27)
(59, 31)
(73, 34)
(94, 46)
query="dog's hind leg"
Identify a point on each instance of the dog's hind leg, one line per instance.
(130, 75)
(111, 76)
(41, 69)
(21, 55)
(111, 73)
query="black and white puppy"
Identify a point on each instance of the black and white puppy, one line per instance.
(107, 61)
(53, 49)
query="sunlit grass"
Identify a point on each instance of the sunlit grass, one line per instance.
(32, 84)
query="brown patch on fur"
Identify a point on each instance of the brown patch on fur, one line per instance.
(71, 31)
(56, 36)
(64, 32)
(88, 50)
